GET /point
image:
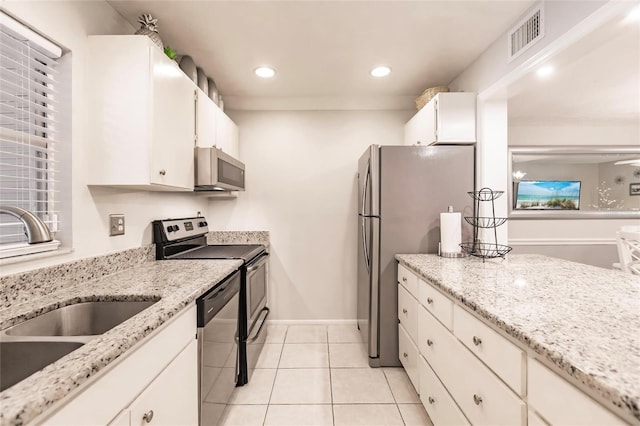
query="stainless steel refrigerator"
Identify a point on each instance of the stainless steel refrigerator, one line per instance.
(401, 192)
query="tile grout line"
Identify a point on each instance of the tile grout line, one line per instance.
(273, 385)
(333, 415)
(384, 373)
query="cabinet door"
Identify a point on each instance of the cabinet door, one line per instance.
(205, 120)
(226, 134)
(121, 419)
(441, 408)
(419, 129)
(408, 313)
(172, 398)
(173, 121)
(408, 354)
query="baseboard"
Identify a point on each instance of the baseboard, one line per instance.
(312, 322)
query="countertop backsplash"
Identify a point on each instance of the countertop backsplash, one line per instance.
(22, 287)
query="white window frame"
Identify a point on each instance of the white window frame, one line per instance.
(23, 135)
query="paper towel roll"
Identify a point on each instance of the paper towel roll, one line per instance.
(450, 232)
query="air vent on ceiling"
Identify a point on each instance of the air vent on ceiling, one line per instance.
(526, 33)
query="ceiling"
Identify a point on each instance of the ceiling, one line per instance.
(325, 49)
(595, 80)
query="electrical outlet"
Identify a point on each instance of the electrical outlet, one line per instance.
(116, 224)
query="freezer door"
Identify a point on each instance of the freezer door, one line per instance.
(369, 182)
(368, 273)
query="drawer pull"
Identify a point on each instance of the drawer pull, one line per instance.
(429, 300)
(431, 400)
(429, 342)
(148, 416)
(404, 279)
(477, 341)
(477, 399)
(162, 173)
(404, 310)
(406, 355)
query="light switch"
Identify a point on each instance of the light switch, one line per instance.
(116, 224)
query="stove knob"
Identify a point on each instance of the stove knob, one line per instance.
(169, 228)
(202, 224)
(205, 223)
(176, 228)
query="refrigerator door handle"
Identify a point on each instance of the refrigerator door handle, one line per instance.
(365, 249)
(367, 177)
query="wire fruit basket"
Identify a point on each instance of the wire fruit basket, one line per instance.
(485, 250)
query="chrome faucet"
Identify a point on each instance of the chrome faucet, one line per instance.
(37, 230)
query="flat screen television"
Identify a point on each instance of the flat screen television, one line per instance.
(548, 195)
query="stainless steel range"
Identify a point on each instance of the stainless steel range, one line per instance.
(186, 239)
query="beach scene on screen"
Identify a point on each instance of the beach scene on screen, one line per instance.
(548, 195)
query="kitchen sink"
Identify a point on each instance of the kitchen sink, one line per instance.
(80, 319)
(19, 360)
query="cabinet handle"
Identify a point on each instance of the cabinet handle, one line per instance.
(148, 416)
(477, 341)
(477, 399)
(404, 279)
(404, 311)
(429, 342)
(431, 400)
(429, 300)
(162, 172)
(405, 355)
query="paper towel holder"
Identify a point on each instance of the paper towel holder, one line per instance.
(450, 255)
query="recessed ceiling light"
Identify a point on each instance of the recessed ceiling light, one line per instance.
(265, 72)
(545, 71)
(381, 71)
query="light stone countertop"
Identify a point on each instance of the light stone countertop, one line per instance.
(171, 281)
(581, 319)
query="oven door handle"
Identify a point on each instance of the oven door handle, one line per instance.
(264, 321)
(258, 264)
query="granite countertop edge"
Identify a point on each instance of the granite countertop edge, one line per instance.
(620, 403)
(173, 286)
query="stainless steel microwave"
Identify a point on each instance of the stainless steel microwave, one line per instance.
(217, 171)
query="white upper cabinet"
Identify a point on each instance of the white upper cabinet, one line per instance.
(214, 127)
(448, 118)
(206, 118)
(226, 134)
(141, 116)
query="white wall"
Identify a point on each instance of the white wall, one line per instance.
(68, 23)
(489, 76)
(301, 171)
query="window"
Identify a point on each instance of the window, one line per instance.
(28, 136)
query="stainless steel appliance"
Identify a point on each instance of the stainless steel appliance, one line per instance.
(217, 171)
(186, 239)
(218, 314)
(401, 192)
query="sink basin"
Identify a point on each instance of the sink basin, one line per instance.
(19, 360)
(81, 319)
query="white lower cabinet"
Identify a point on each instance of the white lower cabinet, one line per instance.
(409, 356)
(172, 398)
(468, 373)
(440, 406)
(159, 374)
(551, 396)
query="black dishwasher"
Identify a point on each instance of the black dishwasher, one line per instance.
(218, 314)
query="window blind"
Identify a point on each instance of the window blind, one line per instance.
(28, 139)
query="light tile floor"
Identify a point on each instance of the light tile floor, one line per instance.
(319, 375)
